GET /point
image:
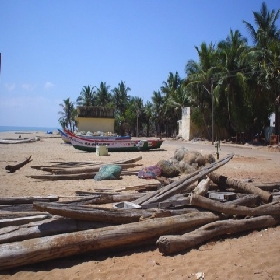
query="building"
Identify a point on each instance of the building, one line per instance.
(187, 129)
(95, 119)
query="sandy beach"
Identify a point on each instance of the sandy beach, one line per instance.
(254, 255)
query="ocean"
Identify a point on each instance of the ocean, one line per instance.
(25, 128)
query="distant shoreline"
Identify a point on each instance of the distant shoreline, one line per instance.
(26, 130)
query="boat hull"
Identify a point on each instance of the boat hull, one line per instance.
(112, 146)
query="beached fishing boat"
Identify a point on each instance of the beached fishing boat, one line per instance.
(65, 135)
(18, 140)
(129, 145)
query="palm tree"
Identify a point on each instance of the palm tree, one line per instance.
(231, 103)
(266, 27)
(121, 101)
(158, 103)
(148, 114)
(264, 62)
(201, 77)
(68, 114)
(121, 97)
(103, 96)
(87, 97)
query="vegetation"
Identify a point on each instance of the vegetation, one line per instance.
(233, 82)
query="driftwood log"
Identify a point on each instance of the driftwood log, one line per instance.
(240, 186)
(249, 200)
(81, 165)
(14, 168)
(93, 169)
(55, 225)
(14, 215)
(26, 199)
(272, 208)
(77, 176)
(111, 198)
(22, 220)
(173, 244)
(179, 185)
(113, 237)
(108, 215)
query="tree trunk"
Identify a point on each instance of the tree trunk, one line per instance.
(226, 182)
(231, 209)
(55, 225)
(14, 168)
(79, 170)
(173, 244)
(108, 215)
(77, 176)
(121, 237)
(22, 220)
(103, 198)
(26, 199)
(249, 200)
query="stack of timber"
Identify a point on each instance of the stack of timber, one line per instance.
(175, 218)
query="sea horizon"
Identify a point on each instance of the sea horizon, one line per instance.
(7, 128)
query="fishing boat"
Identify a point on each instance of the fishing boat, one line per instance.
(18, 140)
(65, 135)
(129, 145)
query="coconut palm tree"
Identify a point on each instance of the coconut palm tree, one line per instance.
(87, 97)
(202, 76)
(266, 26)
(103, 96)
(121, 102)
(159, 102)
(68, 114)
(265, 59)
(231, 102)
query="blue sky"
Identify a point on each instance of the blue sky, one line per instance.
(52, 48)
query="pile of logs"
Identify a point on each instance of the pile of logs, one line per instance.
(174, 217)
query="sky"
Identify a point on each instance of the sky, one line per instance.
(51, 49)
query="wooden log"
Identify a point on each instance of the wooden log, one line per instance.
(78, 176)
(108, 215)
(114, 237)
(171, 244)
(250, 200)
(52, 226)
(14, 168)
(272, 208)
(181, 184)
(240, 186)
(26, 199)
(105, 198)
(22, 220)
(79, 170)
(268, 186)
(69, 165)
(14, 215)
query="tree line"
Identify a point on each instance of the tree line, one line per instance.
(236, 84)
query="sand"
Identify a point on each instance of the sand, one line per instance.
(254, 255)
